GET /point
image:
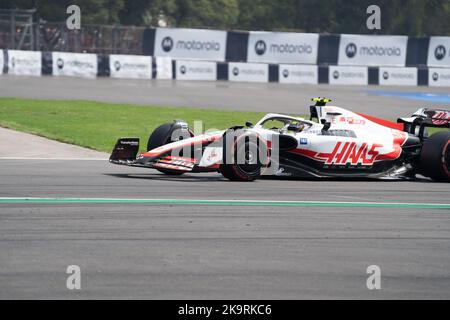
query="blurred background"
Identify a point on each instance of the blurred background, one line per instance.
(116, 26)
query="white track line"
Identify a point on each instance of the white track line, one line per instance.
(226, 200)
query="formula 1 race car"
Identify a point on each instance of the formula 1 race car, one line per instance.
(339, 144)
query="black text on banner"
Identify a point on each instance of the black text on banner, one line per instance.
(393, 76)
(130, 66)
(348, 75)
(298, 73)
(190, 44)
(372, 50)
(24, 62)
(74, 64)
(282, 47)
(248, 72)
(196, 70)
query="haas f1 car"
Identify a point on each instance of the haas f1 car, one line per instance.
(333, 143)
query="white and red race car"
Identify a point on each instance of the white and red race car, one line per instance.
(339, 144)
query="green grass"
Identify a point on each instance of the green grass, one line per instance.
(98, 125)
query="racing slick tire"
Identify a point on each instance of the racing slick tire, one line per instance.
(245, 171)
(160, 136)
(435, 156)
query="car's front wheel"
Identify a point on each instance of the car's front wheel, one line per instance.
(247, 161)
(163, 135)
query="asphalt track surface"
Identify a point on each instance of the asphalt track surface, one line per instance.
(213, 250)
(169, 250)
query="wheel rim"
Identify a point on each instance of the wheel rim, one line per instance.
(249, 167)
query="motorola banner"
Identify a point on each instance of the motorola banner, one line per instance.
(248, 72)
(74, 64)
(196, 70)
(392, 76)
(372, 50)
(190, 44)
(24, 62)
(282, 47)
(439, 77)
(130, 66)
(439, 52)
(348, 75)
(297, 73)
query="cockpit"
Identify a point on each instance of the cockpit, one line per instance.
(283, 124)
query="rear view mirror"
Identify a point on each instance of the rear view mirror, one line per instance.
(326, 126)
(249, 124)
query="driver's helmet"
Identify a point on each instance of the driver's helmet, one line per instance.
(299, 126)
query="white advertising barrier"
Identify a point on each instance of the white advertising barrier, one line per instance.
(295, 73)
(391, 76)
(372, 50)
(163, 68)
(248, 72)
(130, 66)
(1, 61)
(190, 44)
(24, 62)
(283, 47)
(439, 77)
(196, 70)
(439, 52)
(74, 64)
(348, 75)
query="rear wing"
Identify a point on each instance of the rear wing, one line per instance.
(424, 118)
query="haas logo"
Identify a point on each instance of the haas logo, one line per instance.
(441, 118)
(351, 50)
(350, 152)
(440, 52)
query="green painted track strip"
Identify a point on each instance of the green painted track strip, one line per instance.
(266, 203)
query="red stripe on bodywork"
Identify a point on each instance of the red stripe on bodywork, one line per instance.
(200, 140)
(399, 140)
(179, 158)
(386, 123)
(305, 152)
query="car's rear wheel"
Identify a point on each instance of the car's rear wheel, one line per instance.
(435, 156)
(247, 164)
(164, 134)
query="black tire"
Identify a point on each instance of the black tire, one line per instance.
(435, 156)
(161, 136)
(245, 171)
